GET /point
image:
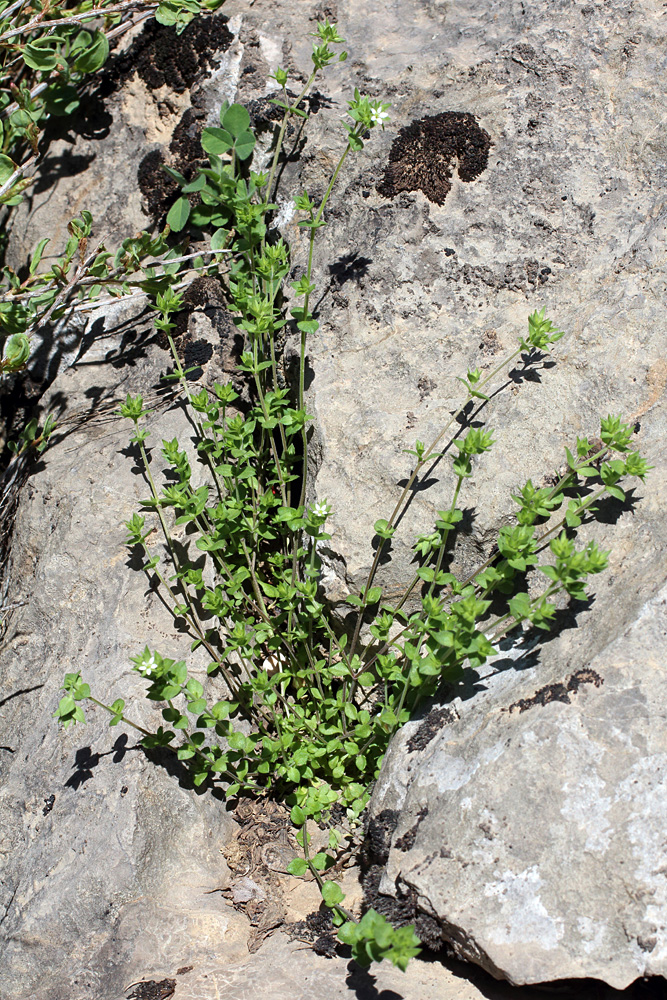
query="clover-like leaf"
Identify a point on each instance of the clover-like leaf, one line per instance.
(236, 120)
(178, 214)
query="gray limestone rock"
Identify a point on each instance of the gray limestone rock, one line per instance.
(540, 848)
(534, 838)
(530, 818)
(107, 852)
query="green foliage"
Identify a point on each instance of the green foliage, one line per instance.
(47, 51)
(33, 436)
(309, 709)
(373, 938)
(80, 279)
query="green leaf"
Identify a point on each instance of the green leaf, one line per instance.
(308, 326)
(17, 352)
(297, 867)
(236, 120)
(94, 56)
(196, 185)
(332, 894)
(244, 145)
(297, 816)
(382, 528)
(41, 54)
(216, 141)
(61, 101)
(366, 679)
(174, 174)
(178, 214)
(37, 255)
(166, 14)
(219, 239)
(7, 168)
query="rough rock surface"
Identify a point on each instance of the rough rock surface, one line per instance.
(102, 886)
(540, 847)
(531, 819)
(106, 853)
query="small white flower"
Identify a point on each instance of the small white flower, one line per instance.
(379, 117)
(321, 509)
(147, 667)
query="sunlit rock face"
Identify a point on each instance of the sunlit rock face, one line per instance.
(524, 166)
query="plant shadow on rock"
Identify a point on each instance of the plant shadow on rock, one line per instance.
(86, 761)
(532, 364)
(47, 359)
(57, 167)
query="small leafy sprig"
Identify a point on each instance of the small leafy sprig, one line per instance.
(142, 265)
(47, 53)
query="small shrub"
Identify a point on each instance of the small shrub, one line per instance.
(310, 708)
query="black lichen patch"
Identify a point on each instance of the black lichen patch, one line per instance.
(401, 909)
(185, 146)
(200, 294)
(222, 339)
(159, 56)
(152, 990)
(264, 113)
(196, 354)
(423, 154)
(155, 184)
(435, 721)
(185, 155)
(203, 292)
(407, 841)
(317, 929)
(377, 842)
(558, 692)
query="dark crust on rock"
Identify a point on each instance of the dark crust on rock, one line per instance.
(435, 721)
(185, 156)
(318, 930)
(377, 843)
(423, 154)
(159, 56)
(152, 990)
(401, 910)
(155, 184)
(407, 841)
(558, 692)
(201, 293)
(264, 113)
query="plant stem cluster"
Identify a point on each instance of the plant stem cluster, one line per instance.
(311, 706)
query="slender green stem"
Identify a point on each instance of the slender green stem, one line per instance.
(513, 621)
(318, 878)
(445, 534)
(281, 133)
(272, 443)
(408, 486)
(122, 718)
(195, 418)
